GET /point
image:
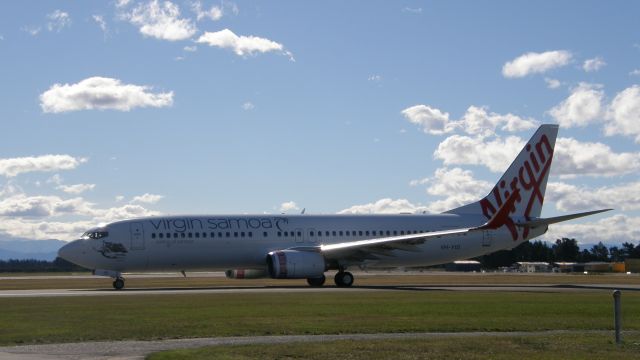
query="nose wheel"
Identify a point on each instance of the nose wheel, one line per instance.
(343, 279)
(118, 283)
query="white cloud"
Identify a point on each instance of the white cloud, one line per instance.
(147, 198)
(31, 30)
(214, 13)
(1, 37)
(412, 10)
(571, 198)
(385, 206)
(614, 229)
(11, 167)
(241, 45)
(635, 72)
(101, 93)
(532, 63)
(122, 3)
(76, 189)
(288, 206)
(477, 121)
(496, 154)
(161, 21)
(623, 114)
(21, 205)
(40, 230)
(592, 65)
(431, 120)
(248, 106)
(375, 78)
(190, 48)
(58, 20)
(572, 157)
(582, 107)
(552, 83)
(458, 186)
(99, 19)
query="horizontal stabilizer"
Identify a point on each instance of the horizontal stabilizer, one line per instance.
(557, 219)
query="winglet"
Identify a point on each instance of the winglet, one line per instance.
(501, 216)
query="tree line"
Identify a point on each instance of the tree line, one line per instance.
(32, 265)
(563, 250)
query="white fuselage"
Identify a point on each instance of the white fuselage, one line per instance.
(225, 242)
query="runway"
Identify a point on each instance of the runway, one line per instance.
(307, 289)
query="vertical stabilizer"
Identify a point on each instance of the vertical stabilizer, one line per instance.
(528, 174)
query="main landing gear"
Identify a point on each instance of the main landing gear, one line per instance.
(118, 283)
(343, 279)
(317, 281)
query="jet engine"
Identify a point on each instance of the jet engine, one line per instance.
(294, 264)
(246, 273)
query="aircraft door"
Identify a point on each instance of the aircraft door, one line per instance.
(137, 236)
(487, 237)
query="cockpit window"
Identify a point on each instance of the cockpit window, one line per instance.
(95, 234)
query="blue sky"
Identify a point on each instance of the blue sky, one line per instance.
(118, 109)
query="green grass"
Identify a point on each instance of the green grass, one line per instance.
(565, 346)
(69, 319)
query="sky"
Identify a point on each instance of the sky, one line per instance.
(120, 109)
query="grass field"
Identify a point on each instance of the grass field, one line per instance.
(20, 282)
(565, 346)
(71, 319)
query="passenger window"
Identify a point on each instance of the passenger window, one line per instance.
(367, 233)
(235, 234)
(395, 232)
(340, 233)
(198, 235)
(279, 234)
(242, 234)
(219, 234)
(250, 234)
(299, 234)
(347, 233)
(190, 235)
(320, 233)
(326, 233)
(168, 235)
(153, 235)
(175, 235)
(360, 233)
(264, 234)
(401, 232)
(160, 235)
(310, 233)
(182, 235)
(388, 233)
(228, 234)
(333, 233)
(374, 233)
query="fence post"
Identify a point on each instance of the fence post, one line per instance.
(617, 316)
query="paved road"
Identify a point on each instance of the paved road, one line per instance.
(138, 349)
(306, 289)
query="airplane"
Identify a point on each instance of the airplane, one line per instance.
(306, 246)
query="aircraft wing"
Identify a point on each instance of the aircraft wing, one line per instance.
(372, 249)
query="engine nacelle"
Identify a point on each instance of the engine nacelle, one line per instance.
(245, 273)
(294, 264)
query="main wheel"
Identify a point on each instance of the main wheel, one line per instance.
(343, 279)
(317, 281)
(118, 284)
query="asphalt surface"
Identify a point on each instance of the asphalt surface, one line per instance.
(139, 349)
(307, 289)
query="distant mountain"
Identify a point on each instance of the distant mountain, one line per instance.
(18, 248)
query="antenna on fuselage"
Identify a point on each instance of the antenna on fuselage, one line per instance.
(302, 212)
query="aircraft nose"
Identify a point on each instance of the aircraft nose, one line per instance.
(72, 251)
